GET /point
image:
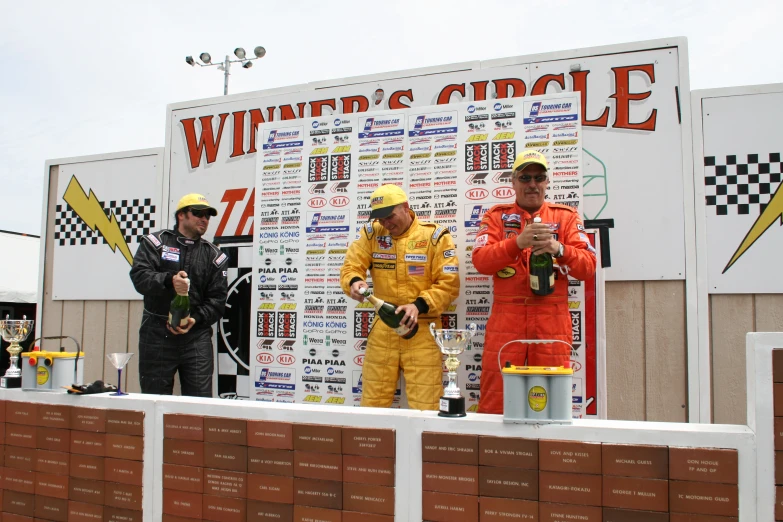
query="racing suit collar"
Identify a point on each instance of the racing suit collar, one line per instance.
(183, 240)
(527, 216)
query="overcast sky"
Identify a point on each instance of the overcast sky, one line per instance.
(91, 77)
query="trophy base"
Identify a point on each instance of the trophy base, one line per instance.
(10, 382)
(452, 407)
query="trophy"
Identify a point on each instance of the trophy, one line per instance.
(14, 331)
(119, 360)
(452, 343)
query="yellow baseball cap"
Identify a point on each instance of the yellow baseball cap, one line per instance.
(197, 202)
(529, 157)
(384, 199)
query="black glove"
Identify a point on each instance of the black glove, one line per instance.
(93, 387)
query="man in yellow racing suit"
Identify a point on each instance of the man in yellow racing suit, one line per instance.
(413, 265)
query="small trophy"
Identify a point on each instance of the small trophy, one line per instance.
(14, 331)
(452, 343)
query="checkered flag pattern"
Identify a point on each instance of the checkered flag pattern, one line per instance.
(136, 218)
(741, 184)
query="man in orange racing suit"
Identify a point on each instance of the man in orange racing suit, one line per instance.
(413, 265)
(505, 240)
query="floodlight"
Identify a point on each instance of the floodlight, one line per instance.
(239, 53)
(205, 57)
(189, 60)
(259, 52)
(247, 65)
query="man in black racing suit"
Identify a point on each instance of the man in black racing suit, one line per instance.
(167, 262)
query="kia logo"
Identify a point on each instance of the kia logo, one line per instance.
(265, 358)
(316, 202)
(339, 201)
(286, 359)
(359, 359)
(477, 193)
(503, 192)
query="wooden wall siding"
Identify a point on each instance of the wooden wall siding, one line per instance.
(731, 317)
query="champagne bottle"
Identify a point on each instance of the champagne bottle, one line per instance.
(179, 311)
(542, 272)
(385, 311)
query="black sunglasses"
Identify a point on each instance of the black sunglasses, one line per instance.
(525, 178)
(201, 213)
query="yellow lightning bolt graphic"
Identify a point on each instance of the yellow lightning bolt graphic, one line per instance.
(772, 212)
(91, 212)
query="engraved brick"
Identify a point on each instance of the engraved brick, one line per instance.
(318, 438)
(450, 478)
(507, 510)
(690, 517)
(87, 467)
(548, 512)
(636, 493)
(183, 478)
(270, 461)
(51, 509)
(225, 456)
(569, 488)
(54, 416)
(272, 435)
(630, 515)
(128, 447)
(113, 514)
(19, 480)
(24, 436)
(88, 443)
(20, 458)
(508, 483)
(47, 485)
(445, 507)
(777, 398)
(628, 460)
(312, 514)
(19, 504)
(88, 419)
(55, 462)
(368, 470)
(258, 511)
(570, 457)
(322, 466)
(508, 452)
(186, 427)
(224, 509)
(225, 431)
(123, 496)
(450, 449)
(368, 499)
(223, 483)
(318, 493)
(86, 491)
(84, 512)
(779, 433)
(184, 452)
(703, 465)
(123, 471)
(125, 422)
(369, 442)
(270, 488)
(53, 439)
(703, 498)
(353, 516)
(777, 365)
(182, 503)
(25, 413)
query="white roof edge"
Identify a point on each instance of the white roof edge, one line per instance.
(106, 156)
(739, 90)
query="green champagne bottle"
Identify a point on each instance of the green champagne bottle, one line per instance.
(542, 272)
(179, 311)
(385, 311)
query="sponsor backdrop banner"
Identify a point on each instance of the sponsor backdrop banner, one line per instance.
(103, 209)
(314, 177)
(743, 199)
(630, 111)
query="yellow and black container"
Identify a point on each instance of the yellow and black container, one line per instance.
(537, 394)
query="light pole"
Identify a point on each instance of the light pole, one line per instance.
(239, 52)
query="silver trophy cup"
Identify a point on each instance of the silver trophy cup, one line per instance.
(452, 342)
(14, 331)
